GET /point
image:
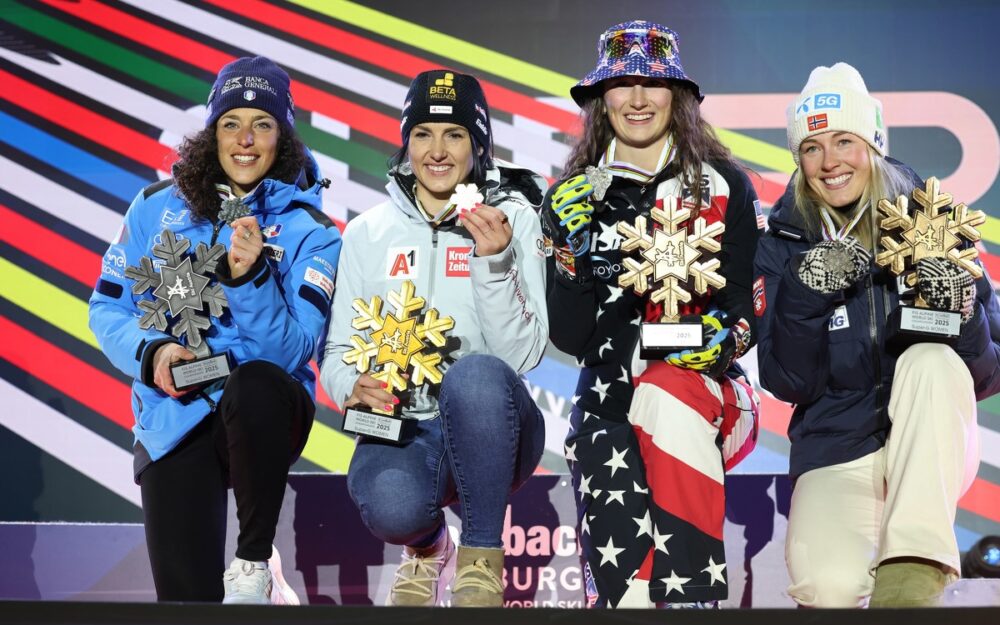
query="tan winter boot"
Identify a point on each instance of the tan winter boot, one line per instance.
(908, 585)
(419, 580)
(478, 580)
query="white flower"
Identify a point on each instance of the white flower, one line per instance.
(466, 196)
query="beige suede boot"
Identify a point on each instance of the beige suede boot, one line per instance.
(908, 585)
(419, 580)
(478, 578)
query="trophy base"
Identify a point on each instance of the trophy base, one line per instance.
(388, 428)
(908, 325)
(189, 374)
(657, 340)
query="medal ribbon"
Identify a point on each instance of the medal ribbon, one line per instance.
(630, 171)
(830, 231)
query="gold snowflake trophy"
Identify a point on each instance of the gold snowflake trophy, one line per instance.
(672, 263)
(397, 343)
(928, 231)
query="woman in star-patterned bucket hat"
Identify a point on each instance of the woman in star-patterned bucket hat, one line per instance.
(652, 433)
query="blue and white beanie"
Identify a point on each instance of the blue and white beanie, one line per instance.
(636, 48)
(255, 82)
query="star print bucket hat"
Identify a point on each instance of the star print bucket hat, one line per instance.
(636, 48)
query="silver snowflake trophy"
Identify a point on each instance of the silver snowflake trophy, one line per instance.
(930, 230)
(665, 263)
(184, 300)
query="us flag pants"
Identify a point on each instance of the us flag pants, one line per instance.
(650, 489)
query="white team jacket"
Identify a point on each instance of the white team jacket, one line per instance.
(497, 302)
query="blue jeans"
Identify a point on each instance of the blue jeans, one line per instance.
(486, 443)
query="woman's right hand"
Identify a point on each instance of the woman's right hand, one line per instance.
(165, 355)
(371, 393)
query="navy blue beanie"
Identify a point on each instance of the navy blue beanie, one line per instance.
(442, 95)
(251, 83)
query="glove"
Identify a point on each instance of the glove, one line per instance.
(946, 286)
(571, 213)
(720, 346)
(832, 266)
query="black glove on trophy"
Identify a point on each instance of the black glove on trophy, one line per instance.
(832, 266)
(946, 286)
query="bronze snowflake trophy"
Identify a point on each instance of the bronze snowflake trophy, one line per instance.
(184, 299)
(908, 237)
(666, 264)
(397, 342)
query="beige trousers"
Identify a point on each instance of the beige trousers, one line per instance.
(899, 501)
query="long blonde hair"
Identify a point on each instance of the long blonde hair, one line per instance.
(887, 180)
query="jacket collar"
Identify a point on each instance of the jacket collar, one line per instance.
(275, 196)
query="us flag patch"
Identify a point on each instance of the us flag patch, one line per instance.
(759, 213)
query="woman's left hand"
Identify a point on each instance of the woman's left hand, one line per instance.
(489, 227)
(245, 247)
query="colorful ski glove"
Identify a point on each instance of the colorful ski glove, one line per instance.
(572, 213)
(720, 345)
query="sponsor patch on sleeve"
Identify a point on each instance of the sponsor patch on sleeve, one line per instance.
(759, 297)
(320, 280)
(274, 252)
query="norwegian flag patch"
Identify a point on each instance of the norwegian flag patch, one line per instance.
(817, 122)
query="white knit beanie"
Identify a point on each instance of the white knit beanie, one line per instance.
(836, 99)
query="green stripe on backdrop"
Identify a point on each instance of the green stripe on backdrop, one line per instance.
(365, 159)
(326, 447)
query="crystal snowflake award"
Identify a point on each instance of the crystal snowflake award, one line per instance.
(409, 339)
(670, 262)
(184, 300)
(906, 237)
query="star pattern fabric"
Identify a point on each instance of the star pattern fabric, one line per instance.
(650, 510)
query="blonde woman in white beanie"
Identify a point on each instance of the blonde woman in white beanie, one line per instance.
(883, 443)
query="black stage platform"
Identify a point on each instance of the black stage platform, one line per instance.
(66, 613)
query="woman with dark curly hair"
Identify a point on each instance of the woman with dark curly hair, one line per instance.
(217, 330)
(651, 433)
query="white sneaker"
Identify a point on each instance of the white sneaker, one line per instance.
(281, 592)
(247, 583)
(419, 580)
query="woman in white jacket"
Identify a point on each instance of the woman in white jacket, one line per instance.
(478, 435)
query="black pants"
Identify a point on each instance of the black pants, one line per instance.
(257, 432)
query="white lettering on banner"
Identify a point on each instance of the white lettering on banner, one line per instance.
(538, 540)
(555, 405)
(542, 578)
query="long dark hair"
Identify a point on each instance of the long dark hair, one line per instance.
(695, 140)
(198, 170)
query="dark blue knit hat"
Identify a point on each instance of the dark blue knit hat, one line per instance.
(442, 95)
(251, 83)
